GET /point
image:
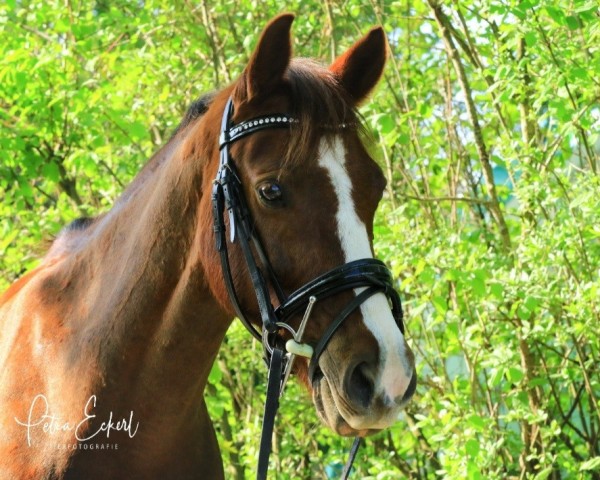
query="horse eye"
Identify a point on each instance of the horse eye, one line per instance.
(270, 191)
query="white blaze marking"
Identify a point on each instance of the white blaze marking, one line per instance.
(394, 374)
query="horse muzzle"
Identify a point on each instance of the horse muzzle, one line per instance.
(356, 401)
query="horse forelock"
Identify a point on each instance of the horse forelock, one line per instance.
(321, 106)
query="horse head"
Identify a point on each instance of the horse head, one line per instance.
(291, 146)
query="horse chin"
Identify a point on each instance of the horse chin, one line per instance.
(329, 414)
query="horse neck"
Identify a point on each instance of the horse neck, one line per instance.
(141, 279)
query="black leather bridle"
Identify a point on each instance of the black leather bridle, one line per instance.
(366, 276)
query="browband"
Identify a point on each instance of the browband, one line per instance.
(240, 130)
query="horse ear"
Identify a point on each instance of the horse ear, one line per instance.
(358, 70)
(269, 60)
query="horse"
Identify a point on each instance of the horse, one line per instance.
(106, 346)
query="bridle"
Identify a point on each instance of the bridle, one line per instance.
(366, 277)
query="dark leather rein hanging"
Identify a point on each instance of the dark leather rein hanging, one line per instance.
(369, 275)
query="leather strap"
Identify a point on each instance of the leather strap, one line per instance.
(221, 245)
(359, 273)
(337, 322)
(240, 130)
(227, 193)
(351, 457)
(271, 407)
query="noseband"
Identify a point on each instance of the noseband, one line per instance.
(366, 277)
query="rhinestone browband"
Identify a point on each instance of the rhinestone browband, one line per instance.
(240, 130)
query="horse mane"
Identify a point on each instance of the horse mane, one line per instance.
(198, 108)
(80, 223)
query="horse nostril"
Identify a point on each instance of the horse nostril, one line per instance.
(359, 387)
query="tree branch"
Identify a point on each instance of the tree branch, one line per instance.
(443, 23)
(478, 201)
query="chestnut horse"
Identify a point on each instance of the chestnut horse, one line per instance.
(106, 347)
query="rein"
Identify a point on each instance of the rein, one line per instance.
(365, 276)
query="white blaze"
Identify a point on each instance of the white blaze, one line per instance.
(394, 374)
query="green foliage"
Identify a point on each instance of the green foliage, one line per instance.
(499, 279)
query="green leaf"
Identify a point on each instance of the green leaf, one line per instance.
(523, 312)
(531, 303)
(531, 38)
(51, 172)
(497, 290)
(515, 375)
(477, 422)
(386, 124)
(403, 139)
(25, 189)
(472, 447)
(478, 286)
(440, 304)
(21, 79)
(138, 130)
(6, 241)
(519, 12)
(452, 329)
(592, 464)
(556, 14)
(543, 474)
(215, 376)
(572, 22)
(497, 377)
